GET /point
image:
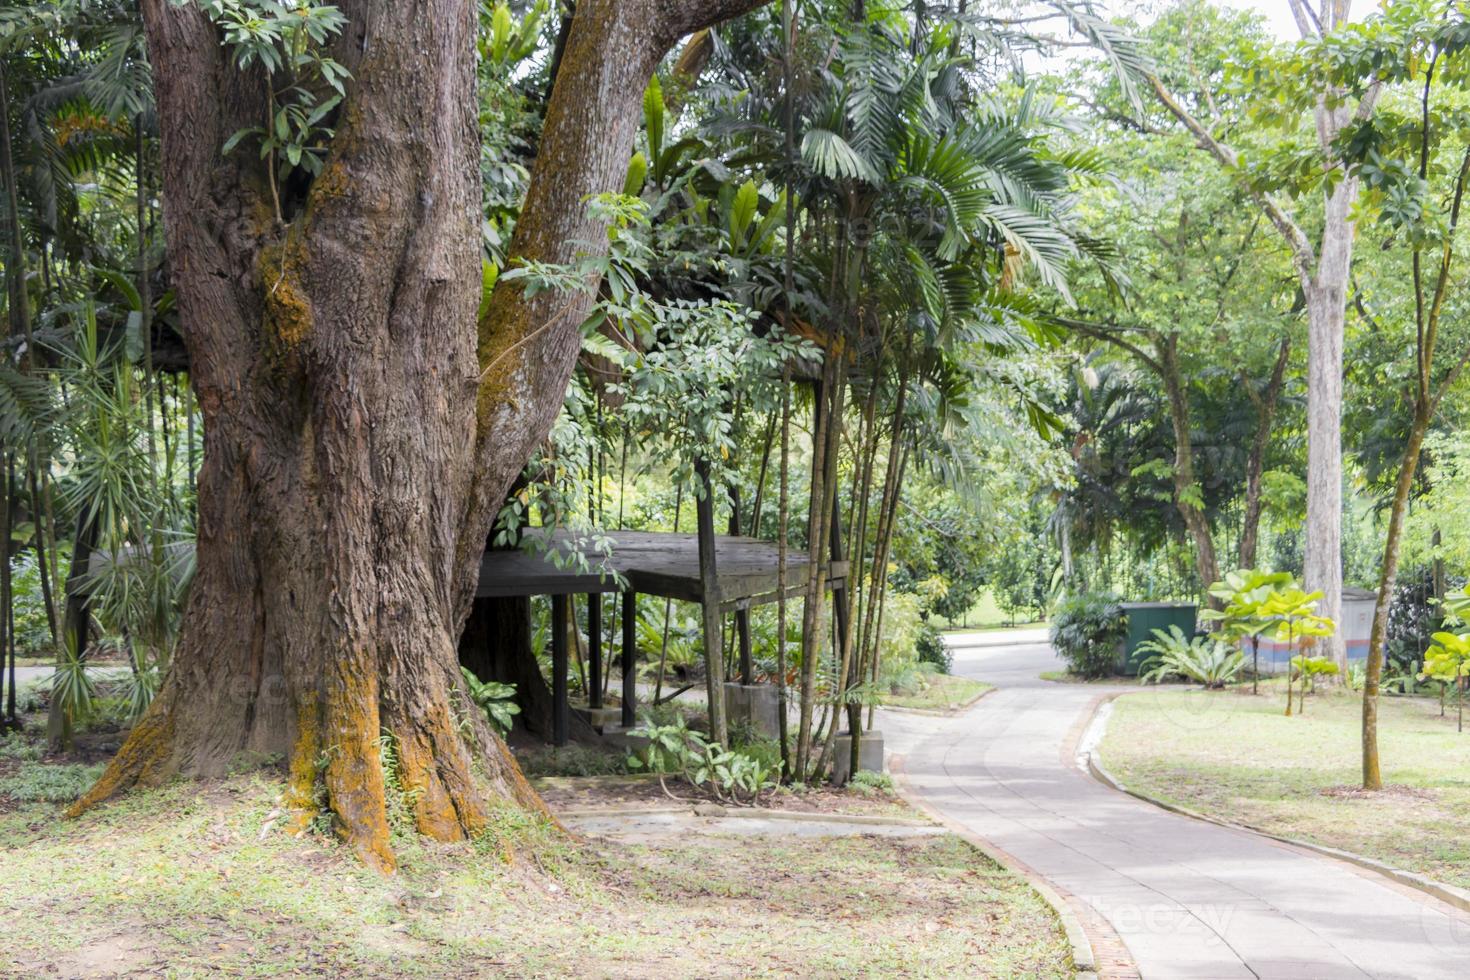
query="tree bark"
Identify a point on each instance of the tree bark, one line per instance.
(1378, 636)
(1326, 318)
(359, 432)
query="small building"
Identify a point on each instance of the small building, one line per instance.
(1355, 626)
(721, 573)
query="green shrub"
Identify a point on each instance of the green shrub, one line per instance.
(32, 630)
(16, 746)
(1087, 631)
(730, 775)
(495, 699)
(867, 781)
(931, 649)
(1201, 659)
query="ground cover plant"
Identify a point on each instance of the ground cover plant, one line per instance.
(201, 879)
(1201, 659)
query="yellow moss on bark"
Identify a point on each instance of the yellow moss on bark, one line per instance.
(288, 316)
(140, 758)
(301, 799)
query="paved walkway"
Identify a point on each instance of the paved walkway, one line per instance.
(1189, 899)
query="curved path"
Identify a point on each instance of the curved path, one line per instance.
(1187, 898)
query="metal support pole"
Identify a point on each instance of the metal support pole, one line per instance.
(630, 656)
(560, 712)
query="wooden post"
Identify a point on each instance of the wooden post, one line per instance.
(714, 655)
(594, 650)
(560, 720)
(630, 656)
(742, 616)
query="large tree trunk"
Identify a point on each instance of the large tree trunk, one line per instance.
(1326, 295)
(1326, 316)
(1323, 272)
(359, 435)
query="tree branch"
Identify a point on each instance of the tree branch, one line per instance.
(1301, 247)
(687, 16)
(1098, 332)
(1307, 21)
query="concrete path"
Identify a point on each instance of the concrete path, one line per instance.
(1188, 899)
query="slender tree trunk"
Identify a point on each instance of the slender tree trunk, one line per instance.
(1266, 405)
(42, 547)
(15, 265)
(1388, 578)
(884, 541)
(7, 597)
(76, 623)
(812, 635)
(359, 435)
(1185, 483)
(846, 676)
(783, 519)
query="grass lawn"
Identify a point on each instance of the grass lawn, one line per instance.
(943, 692)
(983, 615)
(1066, 677)
(1238, 757)
(193, 879)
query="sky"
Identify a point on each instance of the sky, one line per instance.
(1277, 13)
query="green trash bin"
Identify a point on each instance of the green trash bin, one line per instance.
(1144, 618)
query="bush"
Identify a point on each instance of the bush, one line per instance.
(931, 649)
(1086, 632)
(730, 775)
(1414, 617)
(32, 631)
(1201, 659)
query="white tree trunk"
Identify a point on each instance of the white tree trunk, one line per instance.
(1326, 294)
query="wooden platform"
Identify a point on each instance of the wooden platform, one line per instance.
(649, 562)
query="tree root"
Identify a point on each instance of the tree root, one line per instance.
(143, 757)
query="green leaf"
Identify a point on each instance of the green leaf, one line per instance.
(747, 199)
(637, 175)
(235, 139)
(653, 118)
